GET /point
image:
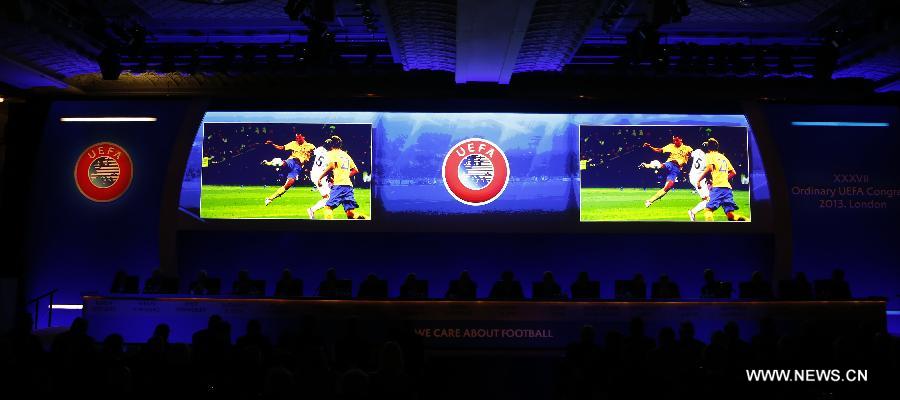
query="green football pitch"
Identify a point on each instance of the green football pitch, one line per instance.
(613, 204)
(225, 202)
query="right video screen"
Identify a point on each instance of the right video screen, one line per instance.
(672, 173)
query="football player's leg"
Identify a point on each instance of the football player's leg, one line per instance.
(716, 199)
(661, 192)
(284, 188)
(332, 202)
(351, 206)
(329, 214)
(729, 212)
(319, 204)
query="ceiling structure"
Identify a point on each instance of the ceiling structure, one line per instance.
(191, 46)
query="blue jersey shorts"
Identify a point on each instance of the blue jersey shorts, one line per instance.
(721, 197)
(673, 170)
(294, 166)
(342, 195)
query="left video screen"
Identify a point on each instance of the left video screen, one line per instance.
(319, 171)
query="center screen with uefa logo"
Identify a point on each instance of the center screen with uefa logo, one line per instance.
(404, 166)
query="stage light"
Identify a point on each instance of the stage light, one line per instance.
(842, 123)
(107, 119)
(65, 306)
(2, 99)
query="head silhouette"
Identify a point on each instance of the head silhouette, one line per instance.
(686, 330)
(79, 326)
(161, 331)
(548, 276)
(837, 274)
(582, 276)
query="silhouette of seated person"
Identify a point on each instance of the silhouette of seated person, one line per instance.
(835, 288)
(798, 288)
(634, 288)
(332, 286)
(714, 288)
(463, 288)
(547, 288)
(584, 287)
(372, 288)
(637, 344)
(209, 345)
(204, 285)
(244, 286)
(689, 348)
(24, 351)
(665, 288)
(156, 350)
(155, 284)
(287, 286)
(74, 351)
(124, 283)
(256, 340)
(412, 288)
(352, 349)
(391, 380)
(507, 288)
(757, 288)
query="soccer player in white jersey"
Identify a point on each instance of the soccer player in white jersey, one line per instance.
(320, 155)
(698, 166)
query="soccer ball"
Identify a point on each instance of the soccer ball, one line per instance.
(655, 164)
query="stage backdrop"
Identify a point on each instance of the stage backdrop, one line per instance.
(844, 193)
(76, 244)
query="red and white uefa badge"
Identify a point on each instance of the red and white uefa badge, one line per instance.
(103, 172)
(475, 171)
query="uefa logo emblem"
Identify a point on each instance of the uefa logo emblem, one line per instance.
(103, 172)
(475, 171)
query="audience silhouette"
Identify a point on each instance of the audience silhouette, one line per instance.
(463, 288)
(507, 288)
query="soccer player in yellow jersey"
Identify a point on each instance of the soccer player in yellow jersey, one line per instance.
(300, 151)
(720, 194)
(342, 168)
(678, 156)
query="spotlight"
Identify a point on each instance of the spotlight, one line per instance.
(2, 99)
(110, 64)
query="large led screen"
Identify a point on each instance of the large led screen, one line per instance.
(286, 170)
(664, 173)
(471, 169)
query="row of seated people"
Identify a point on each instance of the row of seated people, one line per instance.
(507, 288)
